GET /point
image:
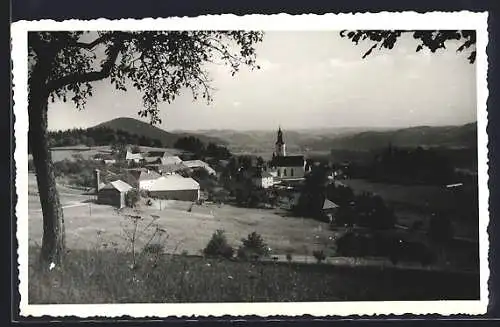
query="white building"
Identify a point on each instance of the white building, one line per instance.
(171, 160)
(199, 164)
(263, 180)
(135, 157)
(283, 166)
(174, 187)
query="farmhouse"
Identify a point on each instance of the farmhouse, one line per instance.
(144, 177)
(193, 164)
(170, 160)
(329, 210)
(175, 187)
(135, 157)
(113, 193)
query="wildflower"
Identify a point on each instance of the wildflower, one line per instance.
(52, 266)
(229, 277)
(208, 264)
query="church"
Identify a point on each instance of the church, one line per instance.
(286, 167)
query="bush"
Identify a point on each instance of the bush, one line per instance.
(218, 246)
(131, 198)
(253, 247)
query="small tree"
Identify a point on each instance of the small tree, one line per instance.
(131, 198)
(218, 246)
(253, 247)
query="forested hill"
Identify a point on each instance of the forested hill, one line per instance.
(464, 136)
(122, 130)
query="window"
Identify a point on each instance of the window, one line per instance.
(284, 172)
(279, 173)
(291, 172)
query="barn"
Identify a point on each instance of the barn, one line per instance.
(175, 187)
(113, 193)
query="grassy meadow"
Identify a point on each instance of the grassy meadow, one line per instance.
(106, 276)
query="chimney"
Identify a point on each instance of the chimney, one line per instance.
(97, 179)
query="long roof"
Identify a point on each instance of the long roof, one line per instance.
(174, 183)
(119, 185)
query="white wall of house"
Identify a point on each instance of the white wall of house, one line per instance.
(264, 182)
(146, 184)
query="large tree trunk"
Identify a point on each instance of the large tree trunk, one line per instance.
(53, 242)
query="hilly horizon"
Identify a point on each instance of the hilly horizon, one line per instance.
(168, 139)
(353, 138)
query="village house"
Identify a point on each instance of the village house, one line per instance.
(135, 157)
(263, 180)
(174, 187)
(113, 193)
(329, 210)
(168, 169)
(170, 160)
(144, 177)
(193, 164)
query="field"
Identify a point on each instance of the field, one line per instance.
(96, 237)
(104, 276)
(416, 202)
(89, 224)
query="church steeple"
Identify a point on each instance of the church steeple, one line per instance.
(280, 144)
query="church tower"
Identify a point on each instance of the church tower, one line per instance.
(280, 145)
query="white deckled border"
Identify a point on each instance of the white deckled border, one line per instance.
(285, 22)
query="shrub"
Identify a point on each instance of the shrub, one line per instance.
(253, 247)
(289, 257)
(319, 255)
(131, 198)
(218, 246)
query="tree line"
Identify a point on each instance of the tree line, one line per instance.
(98, 136)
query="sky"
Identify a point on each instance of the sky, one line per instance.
(310, 79)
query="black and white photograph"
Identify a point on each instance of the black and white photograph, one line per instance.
(264, 165)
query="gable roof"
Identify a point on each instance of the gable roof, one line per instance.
(329, 205)
(169, 160)
(199, 164)
(289, 161)
(118, 185)
(174, 183)
(156, 153)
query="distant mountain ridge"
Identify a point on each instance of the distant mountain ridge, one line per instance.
(326, 139)
(464, 136)
(135, 126)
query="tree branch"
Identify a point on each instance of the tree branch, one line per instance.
(89, 76)
(89, 46)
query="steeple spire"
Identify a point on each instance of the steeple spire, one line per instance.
(280, 137)
(280, 144)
